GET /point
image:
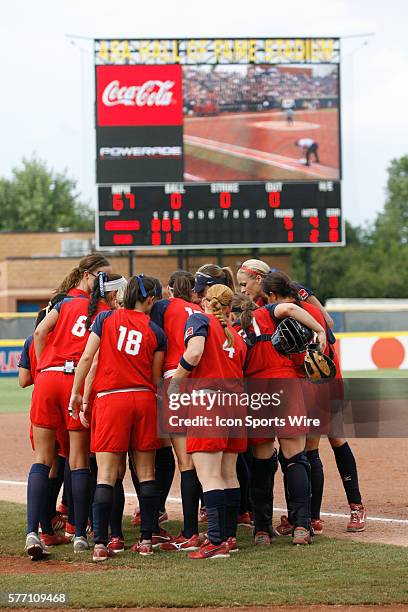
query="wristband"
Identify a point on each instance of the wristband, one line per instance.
(187, 366)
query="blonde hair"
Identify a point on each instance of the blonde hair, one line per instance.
(253, 267)
(217, 298)
(243, 306)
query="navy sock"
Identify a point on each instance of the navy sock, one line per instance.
(101, 509)
(262, 480)
(243, 479)
(118, 505)
(49, 510)
(214, 501)
(232, 503)
(81, 485)
(346, 464)
(68, 493)
(298, 486)
(164, 470)
(190, 496)
(37, 488)
(316, 481)
(135, 479)
(94, 478)
(58, 480)
(149, 506)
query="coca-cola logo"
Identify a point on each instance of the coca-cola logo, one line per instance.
(139, 95)
(150, 93)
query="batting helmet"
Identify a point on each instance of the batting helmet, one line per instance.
(291, 337)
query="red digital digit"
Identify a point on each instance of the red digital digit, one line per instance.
(225, 199)
(314, 221)
(333, 222)
(290, 236)
(166, 225)
(122, 239)
(156, 239)
(274, 199)
(168, 238)
(156, 225)
(333, 235)
(176, 201)
(131, 198)
(176, 225)
(288, 223)
(117, 201)
(314, 235)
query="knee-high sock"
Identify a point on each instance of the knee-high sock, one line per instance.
(232, 503)
(190, 496)
(243, 479)
(81, 487)
(118, 505)
(101, 509)
(68, 493)
(37, 488)
(135, 479)
(149, 504)
(93, 466)
(346, 464)
(298, 484)
(261, 489)
(215, 503)
(164, 470)
(316, 481)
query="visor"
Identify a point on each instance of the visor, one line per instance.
(205, 280)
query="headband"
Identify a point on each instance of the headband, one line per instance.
(102, 279)
(115, 285)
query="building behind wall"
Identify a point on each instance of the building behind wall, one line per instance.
(32, 264)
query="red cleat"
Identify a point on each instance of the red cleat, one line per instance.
(143, 548)
(262, 538)
(211, 551)
(244, 520)
(317, 526)
(136, 518)
(284, 528)
(58, 522)
(301, 536)
(182, 543)
(116, 545)
(232, 545)
(358, 517)
(101, 553)
(69, 530)
(161, 538)
(63, 509)
(54, 540)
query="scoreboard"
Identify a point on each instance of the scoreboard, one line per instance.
(218, 143)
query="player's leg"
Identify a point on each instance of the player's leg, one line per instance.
(117, 542)
(263, 469)
(232, 498)
(243, 475)
(316, 482)
(347, 467)
(190, 487)
(80, 478)
(294, 462)
(316, 155)
(144, 462)
(108, 469)
(164, 467)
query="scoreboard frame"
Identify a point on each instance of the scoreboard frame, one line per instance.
(161, 50)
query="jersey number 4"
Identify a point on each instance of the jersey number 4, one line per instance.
(133, 340)
(229, 349)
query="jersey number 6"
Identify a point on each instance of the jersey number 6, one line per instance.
(133, 340)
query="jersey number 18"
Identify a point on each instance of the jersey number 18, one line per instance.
(133, 340)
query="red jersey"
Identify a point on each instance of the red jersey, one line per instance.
(129, 340)
(263, 360)
(28, 358)
(217, 360)
(68, 339)
(171, 315)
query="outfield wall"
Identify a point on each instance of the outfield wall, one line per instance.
(357, 351)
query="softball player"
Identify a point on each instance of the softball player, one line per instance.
(59, 342)
(264, 362)
(131, 353)
(209, 275)
(214, 350)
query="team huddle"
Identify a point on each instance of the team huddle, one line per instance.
(97, 355)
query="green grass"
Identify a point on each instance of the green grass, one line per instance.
(12, 397)
(328, 572)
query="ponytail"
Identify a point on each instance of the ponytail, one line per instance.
(229, 278)
(138, 289)
(89, 263)
(70, 281)
(182, 283)
(243, 306)
(218, 297)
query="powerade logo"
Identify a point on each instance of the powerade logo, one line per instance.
(110, 153)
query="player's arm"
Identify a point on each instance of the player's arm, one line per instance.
(157, 366)
(82, 371)
(288, 309)
(44, 328)
(24, 377)
(312, 299)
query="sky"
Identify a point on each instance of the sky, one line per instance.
(47, 101)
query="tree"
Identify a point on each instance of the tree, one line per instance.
(392, 224)
(39, 199)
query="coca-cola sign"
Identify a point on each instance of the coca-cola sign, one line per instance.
(139, 95)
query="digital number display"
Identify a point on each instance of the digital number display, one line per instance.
(202, 216)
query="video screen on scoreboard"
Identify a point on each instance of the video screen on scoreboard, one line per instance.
(216, 119)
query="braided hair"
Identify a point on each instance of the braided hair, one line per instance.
(96, 294)
(243, 306)
(217, 298)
